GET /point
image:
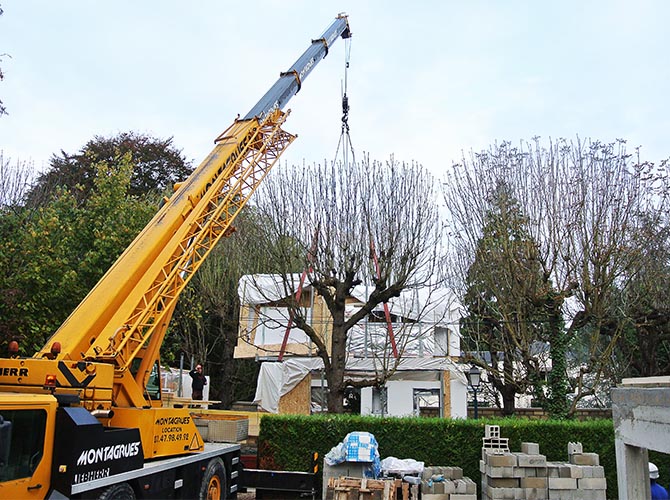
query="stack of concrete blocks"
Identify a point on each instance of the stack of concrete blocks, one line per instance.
(528, 475)
(446, 483)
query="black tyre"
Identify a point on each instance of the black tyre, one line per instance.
(121, 491)
(213, 486)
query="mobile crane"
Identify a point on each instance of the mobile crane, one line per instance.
(77, 419)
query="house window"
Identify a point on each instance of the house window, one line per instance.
(272, 325)
(379, 401)
(441, 341)
(319, 399)
(251, 323)
(427, 402)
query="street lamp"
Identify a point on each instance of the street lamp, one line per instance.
(474, 379)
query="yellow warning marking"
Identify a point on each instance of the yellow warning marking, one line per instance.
(196, 444)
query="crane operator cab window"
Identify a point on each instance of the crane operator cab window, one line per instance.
(153, 385)
(21, 442)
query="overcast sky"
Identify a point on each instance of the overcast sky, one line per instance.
(427, 80)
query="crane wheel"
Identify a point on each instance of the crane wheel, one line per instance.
(121, 491)
(213, 486)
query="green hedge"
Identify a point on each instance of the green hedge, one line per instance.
(286, 442)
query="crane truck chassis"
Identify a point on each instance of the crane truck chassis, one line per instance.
(78, 419)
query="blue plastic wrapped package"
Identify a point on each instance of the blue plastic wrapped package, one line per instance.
(357, 447)
(360, 447)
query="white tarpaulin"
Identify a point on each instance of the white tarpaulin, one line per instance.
(427, 309)
(278, 378)
(266, 288)
(432, 305)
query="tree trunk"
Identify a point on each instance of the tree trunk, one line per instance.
(509, 389)
(335, 376)
(509, 405)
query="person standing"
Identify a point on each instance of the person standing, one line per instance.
(199, 382)
(658, 492)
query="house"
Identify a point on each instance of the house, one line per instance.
(424, 322)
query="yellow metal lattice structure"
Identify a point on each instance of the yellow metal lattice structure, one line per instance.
(127, 327)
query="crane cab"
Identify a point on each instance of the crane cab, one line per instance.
(27, 429)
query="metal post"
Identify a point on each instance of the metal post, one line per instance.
(180, 388)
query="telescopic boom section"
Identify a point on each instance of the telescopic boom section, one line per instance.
(124, 318)
(289, 82)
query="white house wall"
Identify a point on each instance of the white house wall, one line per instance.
(400, 397)
(459, 398)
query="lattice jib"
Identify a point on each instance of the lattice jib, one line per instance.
(205, 225)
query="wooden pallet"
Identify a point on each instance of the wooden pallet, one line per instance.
(355, 488)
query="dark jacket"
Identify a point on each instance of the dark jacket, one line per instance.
(199, 380)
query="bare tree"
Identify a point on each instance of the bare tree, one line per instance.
(3, 109)
(340, 212)
(583, 201)
(206, 318)
(14, 181)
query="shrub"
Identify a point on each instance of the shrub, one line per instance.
(286, 442)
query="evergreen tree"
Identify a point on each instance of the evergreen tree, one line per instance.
(506, 297)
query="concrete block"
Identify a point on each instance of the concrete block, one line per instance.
(585, 459)
(574, 448)
(503, 482)
(576, 471)
(561, 495)
(470, 486)
(535, 494)
(435, 496)
(592, 483)
(539, 472)
(428, 472)
(564, 470)
(482, 466)
(438, 487)
(455, 473)
(562, 483)
(503, 460)
(532, 472)
(530, 448)
(524, 460)
(598, 495)
(449, 487)
(501, 493)
(499, 471)
(465, 485)
(496, 445)
(553, 469)
(463, 496)
(520, 472)
(592, 470)
(534, 482)
(492, 431)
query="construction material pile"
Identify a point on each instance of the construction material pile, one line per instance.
(528, 475)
